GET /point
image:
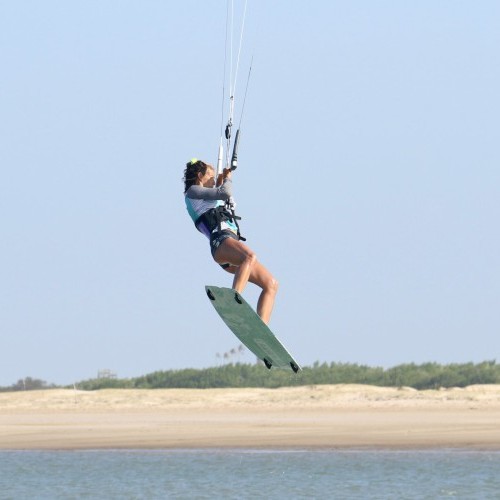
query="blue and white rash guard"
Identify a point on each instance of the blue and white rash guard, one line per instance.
(200, 199)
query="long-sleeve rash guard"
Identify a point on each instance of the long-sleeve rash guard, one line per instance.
(199, 199)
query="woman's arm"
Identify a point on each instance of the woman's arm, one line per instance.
(223, 192)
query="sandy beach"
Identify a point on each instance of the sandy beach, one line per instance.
(322, 416)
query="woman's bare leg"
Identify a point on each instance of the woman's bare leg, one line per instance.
(246, 267)
(260, 276)
(239, 255)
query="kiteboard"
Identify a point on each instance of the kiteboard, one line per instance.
(246, 324)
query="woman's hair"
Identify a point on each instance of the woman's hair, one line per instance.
(193, 168)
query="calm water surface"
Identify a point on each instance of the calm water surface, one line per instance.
(249, 474)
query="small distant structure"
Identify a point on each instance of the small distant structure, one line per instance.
(105, 373)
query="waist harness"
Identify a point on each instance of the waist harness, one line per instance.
(214, 218)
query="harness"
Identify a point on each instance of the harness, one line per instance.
(214, 218)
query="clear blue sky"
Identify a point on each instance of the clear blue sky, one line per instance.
(369, 181)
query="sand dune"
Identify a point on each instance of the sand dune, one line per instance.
(333, 416)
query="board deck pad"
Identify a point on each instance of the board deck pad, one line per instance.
(246, 324)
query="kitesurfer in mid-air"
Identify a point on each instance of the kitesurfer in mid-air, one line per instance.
(209, 203)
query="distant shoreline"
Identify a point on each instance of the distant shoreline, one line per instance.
(313, 417)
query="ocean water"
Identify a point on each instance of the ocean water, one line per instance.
(133, 474)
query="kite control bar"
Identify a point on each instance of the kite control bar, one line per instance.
(234, 158)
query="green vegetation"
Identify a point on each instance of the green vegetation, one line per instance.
(27, 384)
(424, 376)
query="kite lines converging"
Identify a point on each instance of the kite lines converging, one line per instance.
(227, 108)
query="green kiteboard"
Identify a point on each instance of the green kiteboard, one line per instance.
(246, 324)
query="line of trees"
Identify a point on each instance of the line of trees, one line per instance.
(423, 376)
(28, 384)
